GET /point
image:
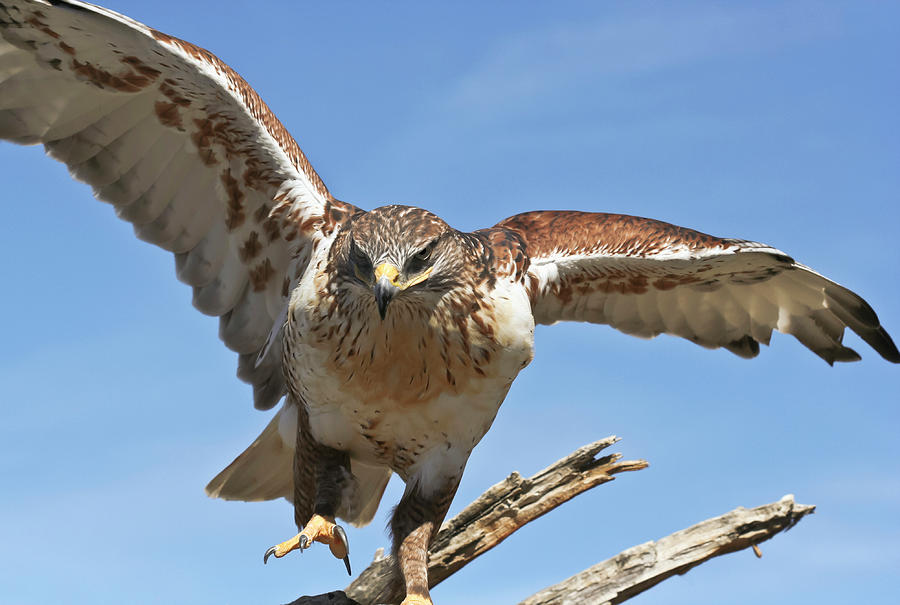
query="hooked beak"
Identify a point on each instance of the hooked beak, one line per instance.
(386, 286)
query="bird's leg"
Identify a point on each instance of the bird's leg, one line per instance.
(315, 517)
(412, 557)
(414, 525)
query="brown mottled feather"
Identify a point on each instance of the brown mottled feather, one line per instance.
(189, 153)
(184, 148)
(647, 277)
(550, 231)
(256, 106)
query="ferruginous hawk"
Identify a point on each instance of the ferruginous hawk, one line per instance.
(394, 337)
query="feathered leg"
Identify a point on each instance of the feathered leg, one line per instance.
(321, 475)
(414, 525)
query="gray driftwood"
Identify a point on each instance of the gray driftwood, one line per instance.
(496, 514)
(512, 503)
(489, 520)
(641, 567)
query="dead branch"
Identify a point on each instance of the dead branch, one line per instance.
(641, 567)
(489, 520)
(512, 503)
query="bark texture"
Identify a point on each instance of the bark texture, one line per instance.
(633, 571)
(512, 503)
(496, 514)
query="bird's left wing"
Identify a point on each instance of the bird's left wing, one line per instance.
(647, 277)
(184, 149)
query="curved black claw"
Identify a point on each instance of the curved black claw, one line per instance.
(304, 543)
(268, 554)
(343, 536)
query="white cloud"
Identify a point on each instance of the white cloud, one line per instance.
(560, 57)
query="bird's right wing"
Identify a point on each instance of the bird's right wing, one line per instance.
(647, 277)
(184, 149)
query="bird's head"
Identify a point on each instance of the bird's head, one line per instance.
(399, 252)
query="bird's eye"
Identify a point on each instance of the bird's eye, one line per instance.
(360, 259)
(419, 261)
(365, 265)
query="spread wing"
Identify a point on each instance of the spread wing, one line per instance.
(646, 277)
(183, 149)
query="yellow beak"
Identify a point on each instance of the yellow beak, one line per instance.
(389, 271)
(387, 284)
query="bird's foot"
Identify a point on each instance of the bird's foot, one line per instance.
(414, 599)
(319, 529)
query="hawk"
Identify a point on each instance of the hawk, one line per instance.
(392, 337)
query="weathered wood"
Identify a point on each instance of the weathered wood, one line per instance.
(496, 514)
(641, 567)
(512, 503)
(489, 520)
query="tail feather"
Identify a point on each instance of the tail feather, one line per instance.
(265, 471)
(370, 484)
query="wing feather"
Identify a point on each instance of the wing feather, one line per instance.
(201, 264)
(141, 193)
(183, 148)
(652, 322)
(158, 166)
(243, 328)
(221, 294)
(87, 115)
(102, 130)
(646, 277)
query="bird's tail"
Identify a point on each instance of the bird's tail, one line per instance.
(362, 502)
(264, 471)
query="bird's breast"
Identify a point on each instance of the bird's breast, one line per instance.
(419, 379)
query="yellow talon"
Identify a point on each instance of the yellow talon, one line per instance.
(319, 529)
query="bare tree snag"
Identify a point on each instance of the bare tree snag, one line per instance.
(489, 520)
(641, 567)
(496, 514)
(512, 503)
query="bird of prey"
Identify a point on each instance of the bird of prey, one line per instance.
(392, 337)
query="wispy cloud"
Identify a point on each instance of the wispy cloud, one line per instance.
(560, 57)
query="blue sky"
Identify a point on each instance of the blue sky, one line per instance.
(771, 121)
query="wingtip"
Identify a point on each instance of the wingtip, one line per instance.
(860, 317)
(746, 347)
(892, 356)
(214, 487)
(882, 342)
